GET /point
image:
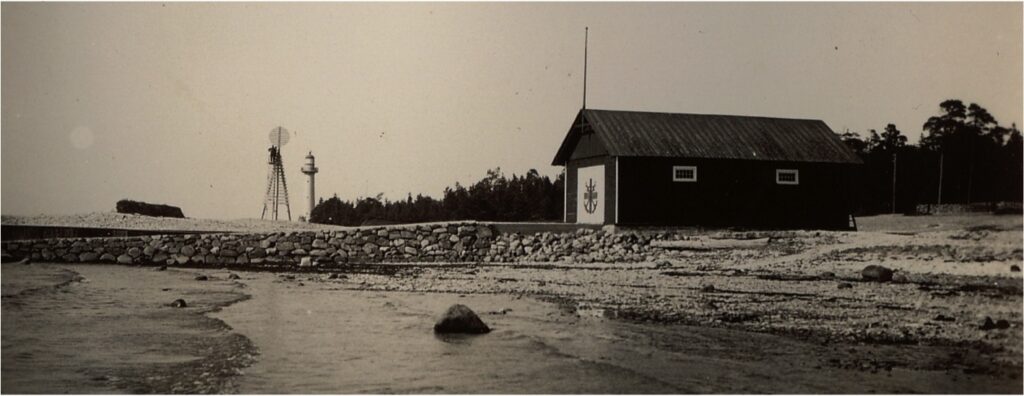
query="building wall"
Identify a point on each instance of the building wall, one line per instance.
(588, 146)
(733, 193)
(607, 193)
(591, 194)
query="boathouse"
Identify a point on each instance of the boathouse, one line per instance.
(667, 169)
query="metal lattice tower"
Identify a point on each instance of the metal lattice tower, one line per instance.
(277, 188)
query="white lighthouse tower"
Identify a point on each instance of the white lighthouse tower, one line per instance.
(310, 169)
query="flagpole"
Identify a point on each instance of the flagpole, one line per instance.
(586, 37)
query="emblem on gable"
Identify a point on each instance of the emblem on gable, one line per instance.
(590, 197)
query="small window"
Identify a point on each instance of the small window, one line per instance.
(684, 173)
(787, 176)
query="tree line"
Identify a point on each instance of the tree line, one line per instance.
(964, 156)
(530, 197)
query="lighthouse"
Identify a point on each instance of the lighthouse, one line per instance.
(310, 169)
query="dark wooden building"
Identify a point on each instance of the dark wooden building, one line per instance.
(641, 168)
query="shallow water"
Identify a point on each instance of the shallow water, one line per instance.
(318, 338)
(103, 329)
(321, 336)
(107, 329)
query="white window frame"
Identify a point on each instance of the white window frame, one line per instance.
(683, 179)
(796, 177)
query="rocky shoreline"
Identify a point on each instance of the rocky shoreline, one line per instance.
(950, 279)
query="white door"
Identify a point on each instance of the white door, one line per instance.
(590, 195)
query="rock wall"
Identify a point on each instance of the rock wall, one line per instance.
(455, 242)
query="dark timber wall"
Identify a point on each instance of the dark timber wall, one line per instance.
(733, 193)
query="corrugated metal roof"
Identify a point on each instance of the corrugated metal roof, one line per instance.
(644, 134)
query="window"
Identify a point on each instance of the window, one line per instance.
(684, 173)
(787, 176)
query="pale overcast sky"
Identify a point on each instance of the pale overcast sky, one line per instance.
(172, 103)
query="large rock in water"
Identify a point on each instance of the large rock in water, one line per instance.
(460, 319)
(876, 273)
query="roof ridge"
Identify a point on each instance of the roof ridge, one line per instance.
(709, 115)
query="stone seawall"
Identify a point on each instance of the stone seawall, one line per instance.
(454, 242)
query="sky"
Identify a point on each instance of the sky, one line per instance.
(173, 102)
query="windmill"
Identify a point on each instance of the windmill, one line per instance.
(277, 189)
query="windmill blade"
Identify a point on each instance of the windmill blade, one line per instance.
(279, 136)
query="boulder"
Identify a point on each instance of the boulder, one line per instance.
(124, 259)
(460, 319)
(285, 246)
(201, 278)
(306, 262)
(876, 273)
(179, 303)
(234, 277)
(999, 324)
(1015, 268)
